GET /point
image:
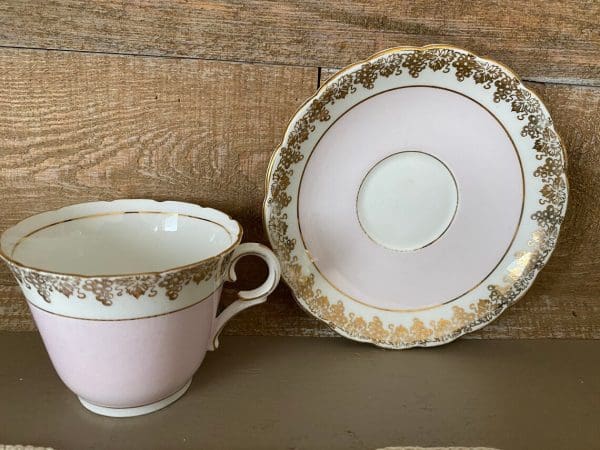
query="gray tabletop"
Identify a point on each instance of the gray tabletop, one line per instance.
(311, 393)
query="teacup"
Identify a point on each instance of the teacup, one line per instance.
(125, 295)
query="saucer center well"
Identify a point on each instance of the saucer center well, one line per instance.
(407, 201)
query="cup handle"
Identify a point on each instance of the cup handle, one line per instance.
(253, 297)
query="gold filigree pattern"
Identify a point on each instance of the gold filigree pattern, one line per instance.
(105, 290)
(504, 87)
(140, 285)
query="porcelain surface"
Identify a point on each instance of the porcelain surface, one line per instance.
(128, 288)
(416, 196)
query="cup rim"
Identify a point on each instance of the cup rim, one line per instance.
(236, 240)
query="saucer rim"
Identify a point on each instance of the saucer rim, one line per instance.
(496, 310)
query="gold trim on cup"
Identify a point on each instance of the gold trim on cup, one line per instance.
(105, 288)
(207, 297)
(16, 263)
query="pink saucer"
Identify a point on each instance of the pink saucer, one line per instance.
(416, 196)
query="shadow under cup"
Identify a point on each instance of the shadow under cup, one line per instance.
(125, 294)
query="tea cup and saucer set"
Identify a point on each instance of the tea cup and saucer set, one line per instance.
(414, 197)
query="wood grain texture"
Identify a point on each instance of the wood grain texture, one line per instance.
(543, 40)
(77, 127)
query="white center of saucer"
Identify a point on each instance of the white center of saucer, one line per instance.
(407, 201)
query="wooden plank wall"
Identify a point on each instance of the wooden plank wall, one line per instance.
(186, 100)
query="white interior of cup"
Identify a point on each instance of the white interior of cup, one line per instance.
(120, 237)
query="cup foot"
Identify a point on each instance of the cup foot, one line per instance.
(138, 410)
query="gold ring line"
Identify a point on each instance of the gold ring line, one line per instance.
(445, 229)
(124, 320)
(234, 244)
(452, 299)
(112, 213)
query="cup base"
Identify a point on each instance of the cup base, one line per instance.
(138, 410)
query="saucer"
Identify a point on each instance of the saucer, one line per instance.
(416, 196)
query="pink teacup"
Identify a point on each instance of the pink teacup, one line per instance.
(125, 295)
